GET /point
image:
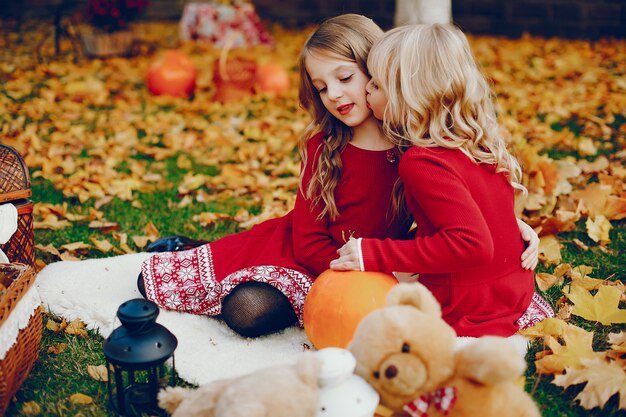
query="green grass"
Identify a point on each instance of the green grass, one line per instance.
(55, 377)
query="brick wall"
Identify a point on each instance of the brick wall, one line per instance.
(565, 18)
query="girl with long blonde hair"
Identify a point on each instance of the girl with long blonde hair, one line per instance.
(459, 183)
(258, 279)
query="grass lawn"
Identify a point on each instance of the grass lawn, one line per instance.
(111, 163)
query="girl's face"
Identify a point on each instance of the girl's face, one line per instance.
(376, 99)
(340, 84)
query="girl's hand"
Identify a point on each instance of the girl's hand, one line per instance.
(530, 257)
(348, 257)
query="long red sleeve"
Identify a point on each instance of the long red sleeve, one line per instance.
(363, 198)
(458, 236)
(467, 245)
(313, 245)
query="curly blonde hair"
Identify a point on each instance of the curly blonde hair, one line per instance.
(349, 36)
(437, 95)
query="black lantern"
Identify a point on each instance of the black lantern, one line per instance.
(136, 353)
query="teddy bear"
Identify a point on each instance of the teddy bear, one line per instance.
(408, 354)
(277, 391)
(319, 384)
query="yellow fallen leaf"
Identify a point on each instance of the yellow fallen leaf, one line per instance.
(549, 249)
(546, 281)
(67, 256)
(598, 229)
(548, 327)
(603, 307)
(76, 327)
(602, 380)
(151, 230)
(577, 344)
(81, 399)
(49, 248)
(55, 327)
(565, 311)
(615, 208)
(51, 221)
(207, 218)
(618, 341)
(58, 348)
(73, 247)
(99, 373)
(580, 271)
(141, 241)
(590, 284)
(31, 408)
(103, 245)
(103, 225)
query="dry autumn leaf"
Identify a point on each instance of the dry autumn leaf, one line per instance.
(548, 327)
(103, 245)
(80, 399)
(546, 281)
(99, 373)
(602, 307)
(549, 249)
(602, 380)
(598, 229)
(55, 327)
(31, 409)
(75, 246)
(58, 348)
(618, 341)
(577, 345)
(76, 327)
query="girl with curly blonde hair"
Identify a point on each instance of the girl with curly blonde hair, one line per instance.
(459, 183)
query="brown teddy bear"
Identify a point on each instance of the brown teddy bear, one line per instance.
(279, 391)
(407, 353)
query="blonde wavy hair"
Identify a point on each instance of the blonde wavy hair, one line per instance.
(437, 95)
(349, 36)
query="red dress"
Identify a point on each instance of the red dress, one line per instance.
(287, 252)
(468, 245)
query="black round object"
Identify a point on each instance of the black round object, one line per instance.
(140, 342)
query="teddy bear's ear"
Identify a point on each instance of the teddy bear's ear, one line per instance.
(416, 295)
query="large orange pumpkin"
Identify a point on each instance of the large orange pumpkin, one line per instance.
(337, 302)
(172, 74)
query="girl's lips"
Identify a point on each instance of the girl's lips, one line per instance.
(345, 109)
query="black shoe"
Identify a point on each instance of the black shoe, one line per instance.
(174, 244)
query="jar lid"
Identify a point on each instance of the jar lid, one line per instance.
(337, 365)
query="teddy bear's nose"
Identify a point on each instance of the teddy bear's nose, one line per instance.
(391, 372)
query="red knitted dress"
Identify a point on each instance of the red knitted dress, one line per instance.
(468, 245)
(287, 252)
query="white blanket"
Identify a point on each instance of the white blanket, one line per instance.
(92, 290)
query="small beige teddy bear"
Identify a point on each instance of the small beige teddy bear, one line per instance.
(279, 391)
(407, 353)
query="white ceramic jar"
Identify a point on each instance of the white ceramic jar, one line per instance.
(342, 393)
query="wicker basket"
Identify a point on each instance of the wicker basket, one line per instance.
(18, 361)
(15, 189)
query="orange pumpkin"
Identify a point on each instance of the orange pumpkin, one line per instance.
(273, 78)
(337, 302)
(172, 74)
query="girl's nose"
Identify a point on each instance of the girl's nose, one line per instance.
(334, 93)
(368, 86)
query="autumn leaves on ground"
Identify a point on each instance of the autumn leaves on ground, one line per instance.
(114, 167)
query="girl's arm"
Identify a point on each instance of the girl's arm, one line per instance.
(313, 245)
(460, 239)
(350, 257)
